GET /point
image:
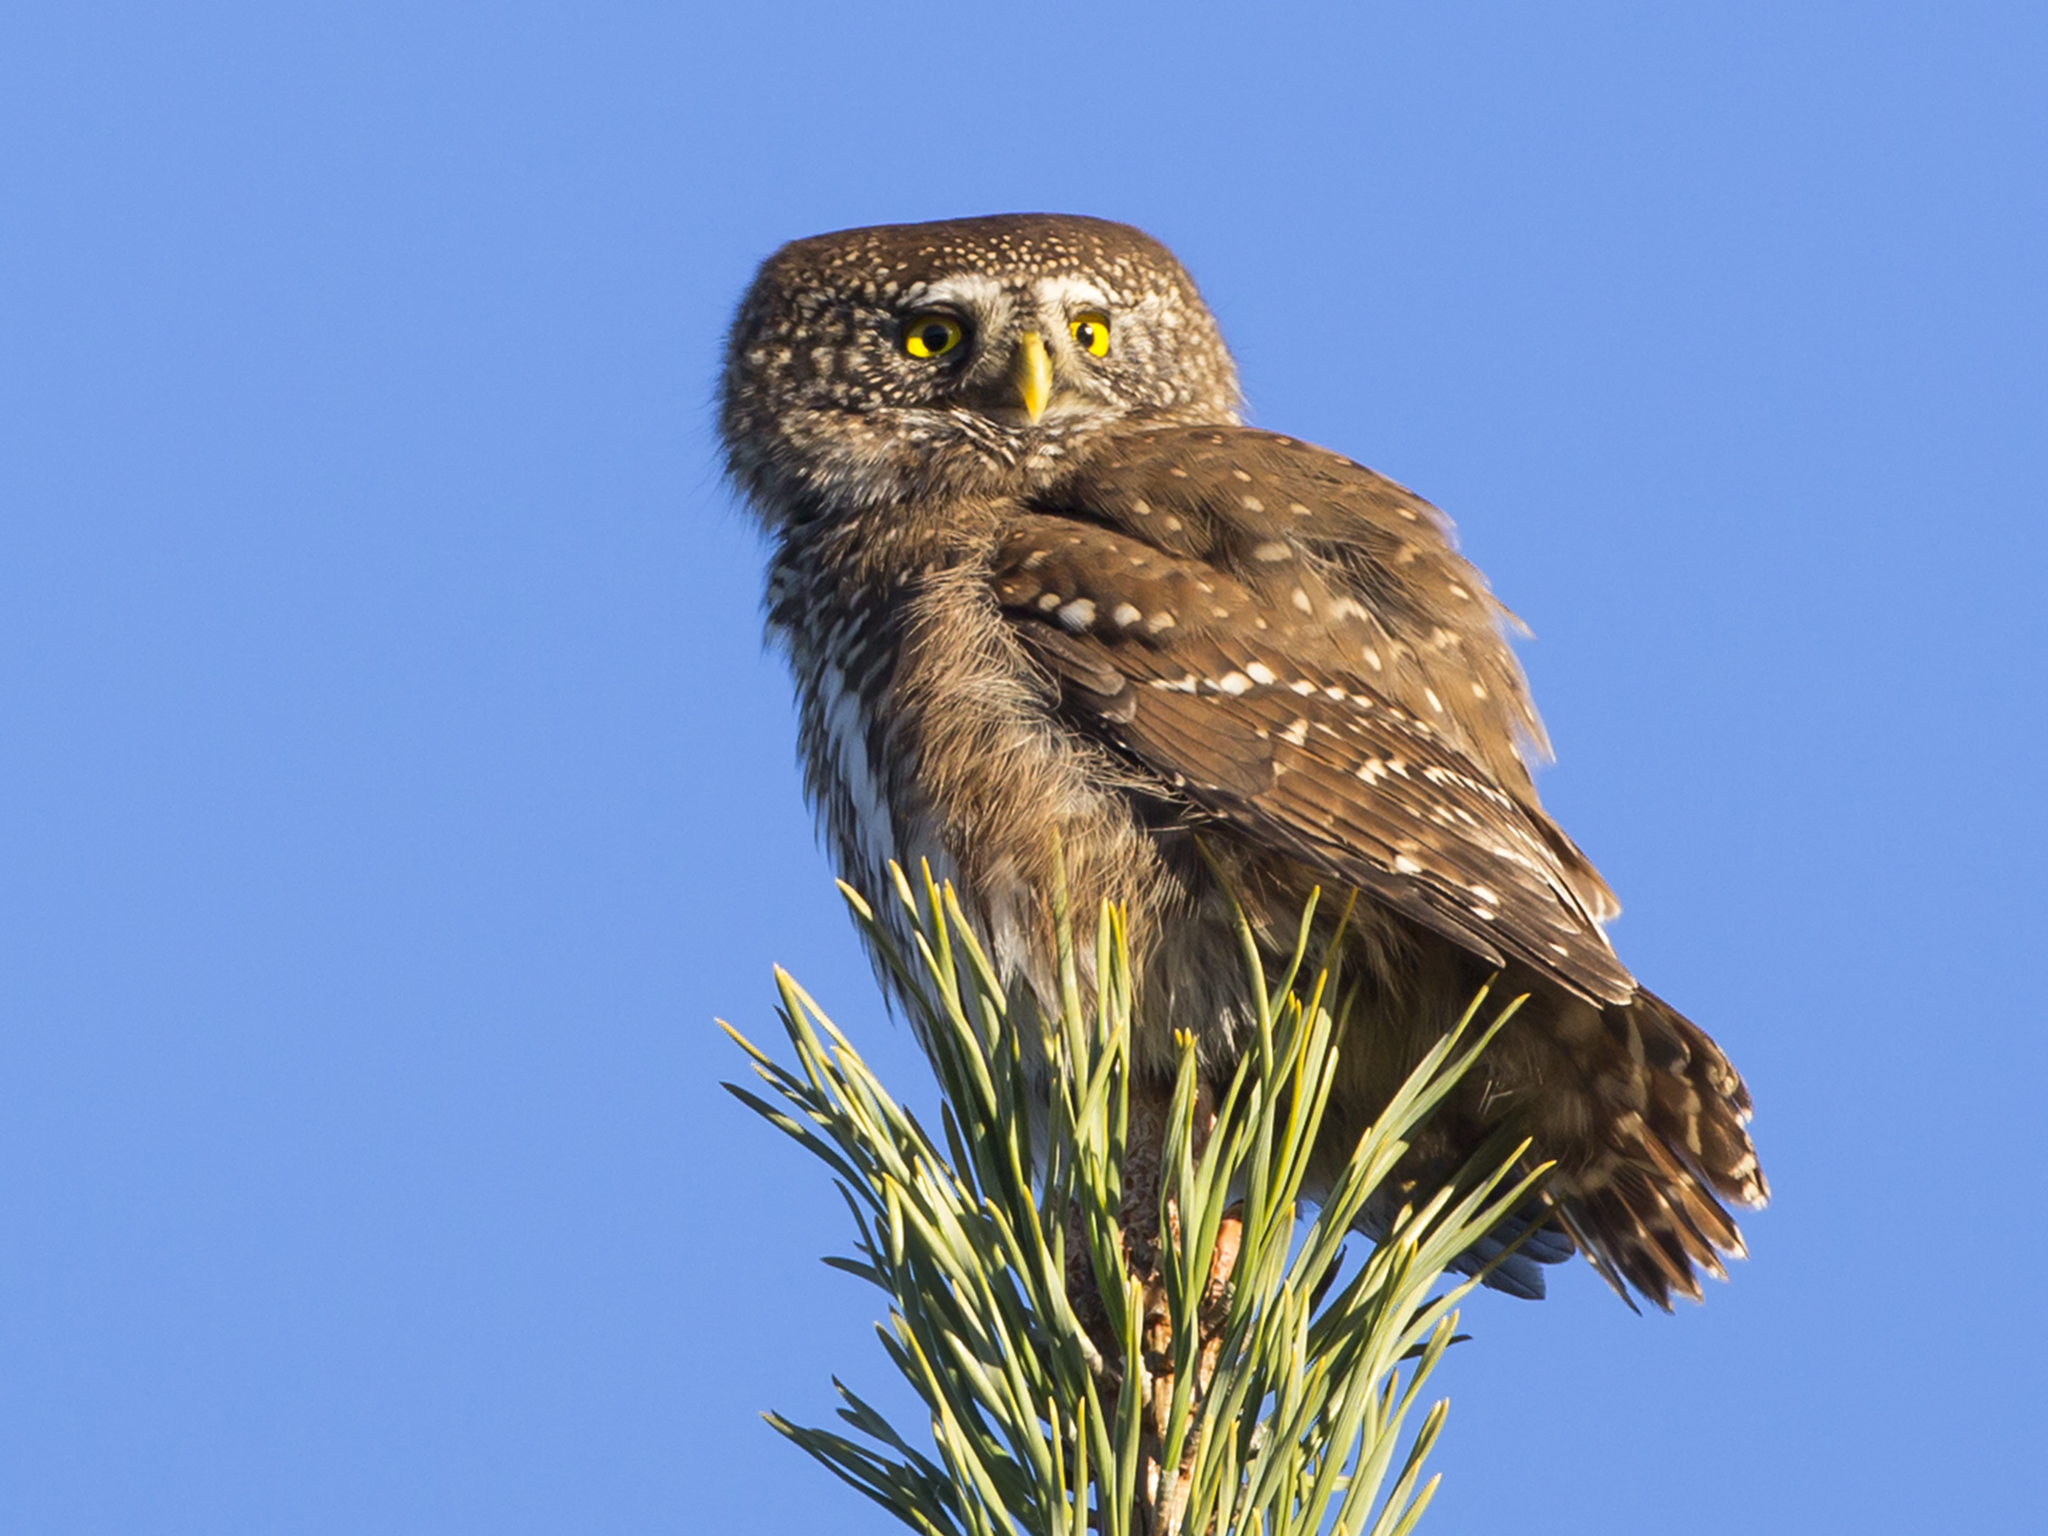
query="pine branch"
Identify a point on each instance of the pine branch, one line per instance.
(1131, 1328)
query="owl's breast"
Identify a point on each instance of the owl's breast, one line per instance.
(844, 650)
(928, 735)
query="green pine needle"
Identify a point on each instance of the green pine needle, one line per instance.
(1035, 1425)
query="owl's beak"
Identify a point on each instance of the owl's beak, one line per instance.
(1031, 374)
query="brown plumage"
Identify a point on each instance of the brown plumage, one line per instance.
(1040, 588)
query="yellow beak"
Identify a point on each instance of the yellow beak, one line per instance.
(1031, 374)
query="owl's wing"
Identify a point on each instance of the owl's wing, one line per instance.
(1217, 668)
(1350, 555)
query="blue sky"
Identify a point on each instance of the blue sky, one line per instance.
(392, 786)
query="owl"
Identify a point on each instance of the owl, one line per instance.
(1044, 595)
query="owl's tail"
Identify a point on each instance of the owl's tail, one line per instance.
(1641, 1192)
(1513, 1255)
(1510, 1258)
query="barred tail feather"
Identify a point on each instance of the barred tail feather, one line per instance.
(1642, 1195)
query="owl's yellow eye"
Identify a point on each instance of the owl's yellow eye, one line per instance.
(931, 335)
(1091, 333)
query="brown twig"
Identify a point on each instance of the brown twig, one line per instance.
(1162, 1499)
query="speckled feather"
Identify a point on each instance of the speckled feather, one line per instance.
(1128, 622)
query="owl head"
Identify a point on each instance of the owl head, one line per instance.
(969, 357)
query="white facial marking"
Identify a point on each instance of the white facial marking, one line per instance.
(1060, 298)
(969, 292)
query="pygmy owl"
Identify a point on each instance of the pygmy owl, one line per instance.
(1040, 589)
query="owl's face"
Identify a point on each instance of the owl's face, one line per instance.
(973, 357)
